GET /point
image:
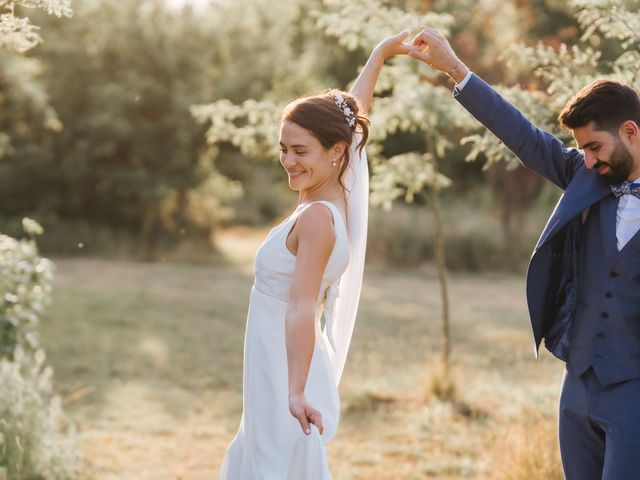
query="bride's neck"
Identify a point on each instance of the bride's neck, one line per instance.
(330, 193)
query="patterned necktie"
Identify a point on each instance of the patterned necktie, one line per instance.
(626, 188)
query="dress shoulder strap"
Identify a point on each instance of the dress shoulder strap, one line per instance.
(335, 211)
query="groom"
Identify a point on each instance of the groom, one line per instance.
(583, 283)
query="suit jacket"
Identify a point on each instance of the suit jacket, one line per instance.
(552, 274)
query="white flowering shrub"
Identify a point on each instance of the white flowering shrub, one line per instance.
(18, 33)
(25, 290)
(35, 441)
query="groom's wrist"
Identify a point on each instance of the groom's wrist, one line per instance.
(458, 71)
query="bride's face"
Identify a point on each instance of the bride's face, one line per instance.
(307, 162)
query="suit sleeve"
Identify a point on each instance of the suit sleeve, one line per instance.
(537, 150)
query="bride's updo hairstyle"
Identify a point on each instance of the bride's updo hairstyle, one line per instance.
(331, 117)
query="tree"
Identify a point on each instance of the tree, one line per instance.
(413, 101)
(608, 47)
(121, 78)
(18, 33)
(33, 443)
(127, 156)
(19, 77)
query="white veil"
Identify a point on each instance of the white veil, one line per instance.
(356, 181)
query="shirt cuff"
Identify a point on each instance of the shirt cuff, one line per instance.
(464, 81)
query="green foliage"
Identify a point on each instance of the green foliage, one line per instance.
(32, 444)
(25, 290)
(617, 19)
(121, 78)
(18, 33)
(608, 48)
(411, 170)
(121, 150)
(404, 237)
(97, 130)
(35, 441)
(252, 126)
(20, 81)
(410, 104)
(361, 24)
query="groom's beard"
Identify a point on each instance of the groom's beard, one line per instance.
(620, 165)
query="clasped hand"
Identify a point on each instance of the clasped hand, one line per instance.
(429, 46)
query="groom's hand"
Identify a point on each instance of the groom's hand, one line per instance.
(434, 50)
(302, 410)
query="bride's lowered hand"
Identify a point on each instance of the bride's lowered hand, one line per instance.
(302, 410)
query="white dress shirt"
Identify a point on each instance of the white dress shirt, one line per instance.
(627, 218)
(628, 214)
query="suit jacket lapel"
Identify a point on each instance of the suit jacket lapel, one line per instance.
(585, 189)
(608, 214)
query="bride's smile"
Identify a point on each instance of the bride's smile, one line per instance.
(307, 163)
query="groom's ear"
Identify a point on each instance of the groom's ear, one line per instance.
(630, 130)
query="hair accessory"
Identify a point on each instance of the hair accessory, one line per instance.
(349, 115)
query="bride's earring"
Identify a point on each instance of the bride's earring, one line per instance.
(334, 163)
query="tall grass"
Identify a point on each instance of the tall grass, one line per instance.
(526, 449)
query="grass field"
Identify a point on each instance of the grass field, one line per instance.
(148, 359)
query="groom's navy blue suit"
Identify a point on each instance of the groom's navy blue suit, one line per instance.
(583, 297)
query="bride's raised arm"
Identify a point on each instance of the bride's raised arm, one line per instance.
(363, 88)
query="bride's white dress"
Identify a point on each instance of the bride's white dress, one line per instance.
(270, 444)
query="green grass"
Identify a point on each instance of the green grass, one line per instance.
(149, 360)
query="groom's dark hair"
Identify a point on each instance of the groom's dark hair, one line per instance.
(605, 102)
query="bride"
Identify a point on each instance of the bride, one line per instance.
(308, 275)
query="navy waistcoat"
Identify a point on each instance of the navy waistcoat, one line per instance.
(606, 324)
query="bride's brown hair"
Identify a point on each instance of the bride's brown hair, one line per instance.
(323, 118)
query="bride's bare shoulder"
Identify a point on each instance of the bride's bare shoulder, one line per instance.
(317, 218)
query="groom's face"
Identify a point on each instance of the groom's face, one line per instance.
(605, 152)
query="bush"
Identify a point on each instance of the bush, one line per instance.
(35, 442)
(25, 290)
(474, 240)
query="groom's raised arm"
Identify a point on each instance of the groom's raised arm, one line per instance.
(538, 150)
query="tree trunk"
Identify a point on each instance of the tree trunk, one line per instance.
(441, 268)
(152, 230)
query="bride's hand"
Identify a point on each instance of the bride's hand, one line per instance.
(302, 410)
(395, 45)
